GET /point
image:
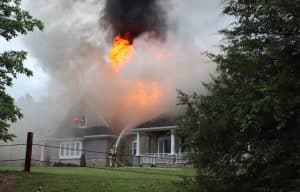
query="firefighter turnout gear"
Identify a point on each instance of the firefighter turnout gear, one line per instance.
(113, 157)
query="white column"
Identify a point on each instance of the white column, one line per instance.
(137, 144)
(42, 158)
(172, 142)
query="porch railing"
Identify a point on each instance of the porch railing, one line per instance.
(154, 158)
(163, 158)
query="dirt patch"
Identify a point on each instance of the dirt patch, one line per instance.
(8, 180)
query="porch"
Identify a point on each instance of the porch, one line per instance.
(158, 145)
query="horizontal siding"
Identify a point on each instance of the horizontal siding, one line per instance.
(99, 145)
(54, 152)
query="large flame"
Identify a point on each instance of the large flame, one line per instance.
(144, 95)
(138, 99)
(121, 52)
(140, 102)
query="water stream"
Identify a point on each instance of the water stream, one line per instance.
(122, 133)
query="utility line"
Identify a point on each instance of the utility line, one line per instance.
(120, 170)
(90, 151)
(11, 145)
(8, 160)
(101, 152)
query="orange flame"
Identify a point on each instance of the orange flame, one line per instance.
(121, 52)
(145, 95)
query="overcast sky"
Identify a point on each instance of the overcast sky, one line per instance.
(35, 85)
(200, 22)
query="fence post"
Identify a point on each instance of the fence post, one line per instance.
(28, 152)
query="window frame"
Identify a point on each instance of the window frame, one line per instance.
(133, 147)
(161, 144)
(69, 153)
(82, 121)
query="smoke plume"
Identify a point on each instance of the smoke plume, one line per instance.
(133, 18)
(73, 51)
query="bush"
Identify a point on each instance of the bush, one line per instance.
(64, 165)
(82, 161)
(58, 165)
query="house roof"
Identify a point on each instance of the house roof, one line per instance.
(74, 132)
(95, 125)
(159, 122)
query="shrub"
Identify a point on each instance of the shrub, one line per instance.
(64, 165)
(82, 161)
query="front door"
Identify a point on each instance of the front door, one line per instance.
(164, 145)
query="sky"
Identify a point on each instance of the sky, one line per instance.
(35, 85)
(200, 22)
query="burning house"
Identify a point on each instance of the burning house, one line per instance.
(126, 72)
(136, 100)
(151, 143)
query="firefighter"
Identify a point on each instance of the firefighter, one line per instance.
(113, 156)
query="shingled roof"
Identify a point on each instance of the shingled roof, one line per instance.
(96, 125)
(159, 122)
(81, 132)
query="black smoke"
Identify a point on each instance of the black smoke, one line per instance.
(131, 18)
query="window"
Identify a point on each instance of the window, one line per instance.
(62, 150)
(164, 145)
(78, 148)
(80, 121)
(67, 149)
(133, 147)
(70, 150)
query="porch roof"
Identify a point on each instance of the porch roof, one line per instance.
(159, 122)
(147, 129)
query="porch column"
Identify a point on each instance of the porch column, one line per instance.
(42, 157)
(137, 144)
(172, 142)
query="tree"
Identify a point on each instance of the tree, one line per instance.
(13, 22)
(245, 133)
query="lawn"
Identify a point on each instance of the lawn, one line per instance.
(54, 179)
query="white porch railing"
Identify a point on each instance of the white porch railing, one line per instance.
(163, 158)
(154, 158)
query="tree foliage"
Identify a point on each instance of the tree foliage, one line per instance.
(13, 22)
(245, 132)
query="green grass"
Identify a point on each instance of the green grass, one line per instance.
(54, 179)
